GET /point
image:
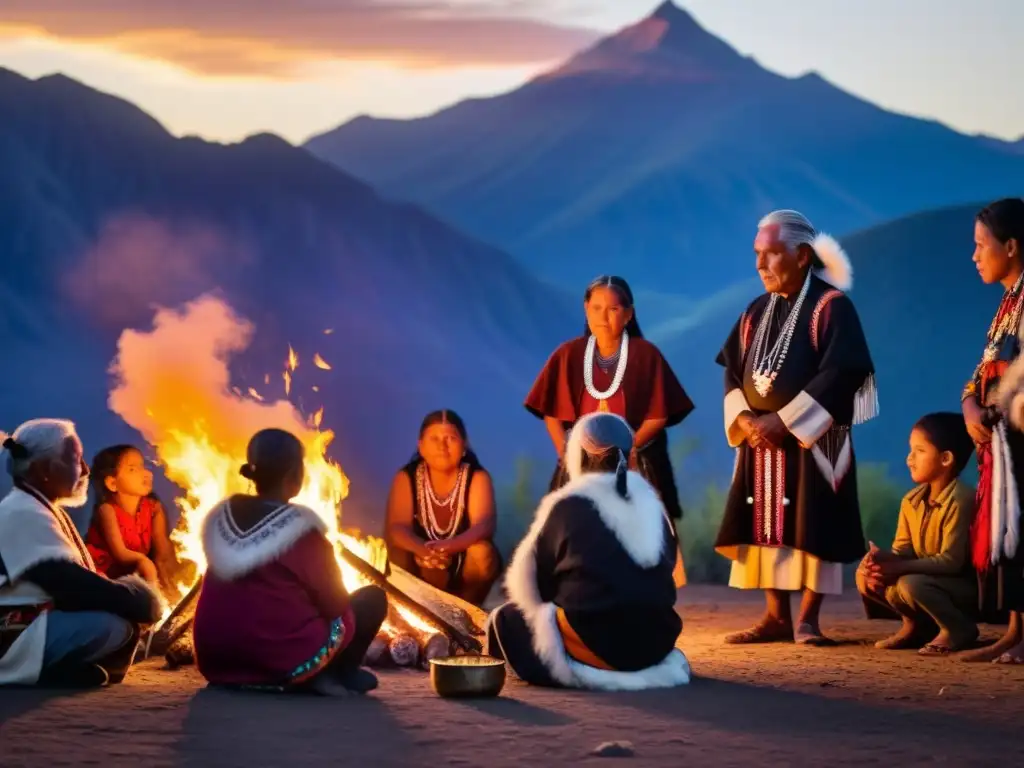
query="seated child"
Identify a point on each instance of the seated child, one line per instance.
(273, 611)
(591, 588)
(128, 533)
(926, 580)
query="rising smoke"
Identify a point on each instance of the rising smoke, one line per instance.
(174, 381)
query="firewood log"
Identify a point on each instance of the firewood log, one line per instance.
(404, 650)
(434, 647)
(461, 615)
(181, 653)
(176, 625)
(378, 650)
(457, 633)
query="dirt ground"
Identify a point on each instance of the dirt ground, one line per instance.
(849, 705)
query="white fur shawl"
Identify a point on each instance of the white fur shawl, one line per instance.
(31, 534)
(232, 553)
(638, 525)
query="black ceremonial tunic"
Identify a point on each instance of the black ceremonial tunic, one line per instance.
(803, 496)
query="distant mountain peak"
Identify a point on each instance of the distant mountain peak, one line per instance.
(673, 14)
(668, 43)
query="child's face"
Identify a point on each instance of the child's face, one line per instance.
(132, 478)
(926, 462)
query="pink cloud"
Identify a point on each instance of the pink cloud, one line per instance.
(274, 39)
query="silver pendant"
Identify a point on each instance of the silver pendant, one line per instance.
(763, 382)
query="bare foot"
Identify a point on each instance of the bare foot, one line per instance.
(809, 633)
(769, 630)
(1013, 656)
(908, 637)
(992, 652)
(945, 643)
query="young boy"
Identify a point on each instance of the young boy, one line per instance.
(926, 579)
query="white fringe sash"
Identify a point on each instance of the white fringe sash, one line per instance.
(865, 402)
(1005, 516)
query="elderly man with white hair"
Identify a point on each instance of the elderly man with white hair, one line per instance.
(798, 375)
(61, 623)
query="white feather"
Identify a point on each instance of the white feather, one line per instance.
(837, 271)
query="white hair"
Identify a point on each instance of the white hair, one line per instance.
(831, 263)
(41, 439)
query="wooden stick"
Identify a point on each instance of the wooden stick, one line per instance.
(166, 634)
(376, 577)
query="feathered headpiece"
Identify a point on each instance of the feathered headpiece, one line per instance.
(835, 268)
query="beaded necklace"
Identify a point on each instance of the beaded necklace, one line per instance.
(428, 501)
(768, 362)
(620, 371)
(1005, 323)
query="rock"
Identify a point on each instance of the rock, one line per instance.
(614, 749)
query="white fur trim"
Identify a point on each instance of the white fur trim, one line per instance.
(157, 604)
(735, 404)
(574, 451)
(837, 271)
(806, 419)
(637, 524)
(231, 553)
(672, 671)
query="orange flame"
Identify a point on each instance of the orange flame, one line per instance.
(319, 362)
(172, 385)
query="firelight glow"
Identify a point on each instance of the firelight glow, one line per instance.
(172, 385)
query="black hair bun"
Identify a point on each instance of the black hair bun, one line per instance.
(248, 471)
(16, 449)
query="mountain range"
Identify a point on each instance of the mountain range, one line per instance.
(651, 154)
(104, 214)
(655, 152)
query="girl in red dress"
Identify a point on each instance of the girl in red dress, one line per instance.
(128, 532)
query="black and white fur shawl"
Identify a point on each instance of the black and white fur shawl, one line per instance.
(639, 526)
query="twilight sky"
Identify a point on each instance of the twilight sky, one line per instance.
(227, 68)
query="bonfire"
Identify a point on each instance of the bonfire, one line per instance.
(172, 384)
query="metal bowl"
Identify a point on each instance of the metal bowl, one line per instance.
(467, 676)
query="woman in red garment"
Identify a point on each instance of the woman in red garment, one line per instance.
(612, 368)
(273, 612)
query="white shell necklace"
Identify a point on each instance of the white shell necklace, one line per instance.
(768, 362)
(620, 369)
(427, 501)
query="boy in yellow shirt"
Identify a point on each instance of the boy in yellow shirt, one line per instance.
(926, 579)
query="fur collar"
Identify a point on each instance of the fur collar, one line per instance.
(637, 523)
(232, 553)
(157, 605)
